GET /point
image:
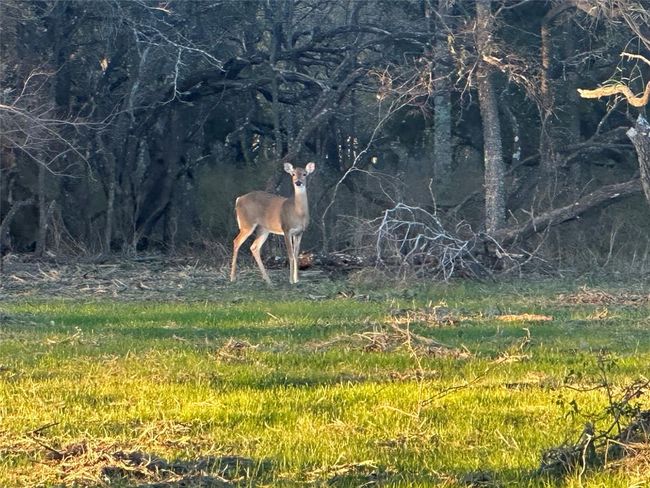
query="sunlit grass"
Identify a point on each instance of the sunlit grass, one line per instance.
(290, 382)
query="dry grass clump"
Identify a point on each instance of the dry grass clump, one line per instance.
(146, 278)
(98, 464)
(433, 316)
(234, 351)
(480, 478)
(635, 462)
(443, 316)
(592, 296)
(364, 473)
(524, 317)
(390, 337)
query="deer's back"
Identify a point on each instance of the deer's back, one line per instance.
(260, 208)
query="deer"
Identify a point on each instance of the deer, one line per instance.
(273, 214)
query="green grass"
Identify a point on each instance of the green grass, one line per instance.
(293, 384)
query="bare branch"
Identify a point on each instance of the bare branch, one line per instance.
(618, 88)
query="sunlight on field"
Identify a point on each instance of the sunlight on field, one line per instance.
(459, 385)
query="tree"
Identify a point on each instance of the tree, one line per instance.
(495, 194)
(153, 116)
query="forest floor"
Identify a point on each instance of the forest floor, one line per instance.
(161, 373)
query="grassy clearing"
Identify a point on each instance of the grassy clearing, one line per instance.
(319, 384)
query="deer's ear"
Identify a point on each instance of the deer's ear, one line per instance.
(310, 168)
(288, 167)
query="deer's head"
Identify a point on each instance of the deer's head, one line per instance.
(299, 175)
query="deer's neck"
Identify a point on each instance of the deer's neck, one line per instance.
(300, 203)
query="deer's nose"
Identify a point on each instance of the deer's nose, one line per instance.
(298, 183)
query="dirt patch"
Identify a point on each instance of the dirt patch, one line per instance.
(159, 278)
(135, 279)
(594, 296)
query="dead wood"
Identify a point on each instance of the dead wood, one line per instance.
(640, 137)
(597, 199)
(4, 227)
(618, 88)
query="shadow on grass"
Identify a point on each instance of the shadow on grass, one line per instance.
(370, 474)
(83, 464)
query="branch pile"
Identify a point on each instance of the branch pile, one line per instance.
(611, 446)
(415, 240)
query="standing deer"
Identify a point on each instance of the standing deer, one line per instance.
(277, 215)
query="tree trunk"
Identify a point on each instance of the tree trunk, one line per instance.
(276, 41)
(42, 210)
(640, 137)
(442, 120)
(110, 200)
(559, 99)
(494, 167)
(5, 223)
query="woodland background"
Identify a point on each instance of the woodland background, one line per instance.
(444, 132)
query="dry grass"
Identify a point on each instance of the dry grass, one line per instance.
(594, 296)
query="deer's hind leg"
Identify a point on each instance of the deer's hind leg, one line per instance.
(256, 248)
(244, 233)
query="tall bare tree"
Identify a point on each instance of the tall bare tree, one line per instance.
(495, 192)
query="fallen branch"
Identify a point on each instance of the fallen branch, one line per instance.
(616, 89)
(413, 238)
(599, 198)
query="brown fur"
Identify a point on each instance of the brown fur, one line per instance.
(273, 214)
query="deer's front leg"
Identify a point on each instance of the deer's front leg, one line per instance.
(296, 253)
(288, 240)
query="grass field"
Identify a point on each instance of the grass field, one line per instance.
(466, 384)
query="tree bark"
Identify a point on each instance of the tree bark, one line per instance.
(4, 228)
(111, 166)
(42, 210)
(442, 120)
(492, 148)
(558, 97)
(275, 86)
(640, 137)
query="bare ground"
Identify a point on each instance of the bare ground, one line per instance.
(144, 278)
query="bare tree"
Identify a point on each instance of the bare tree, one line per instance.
(495, 193)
